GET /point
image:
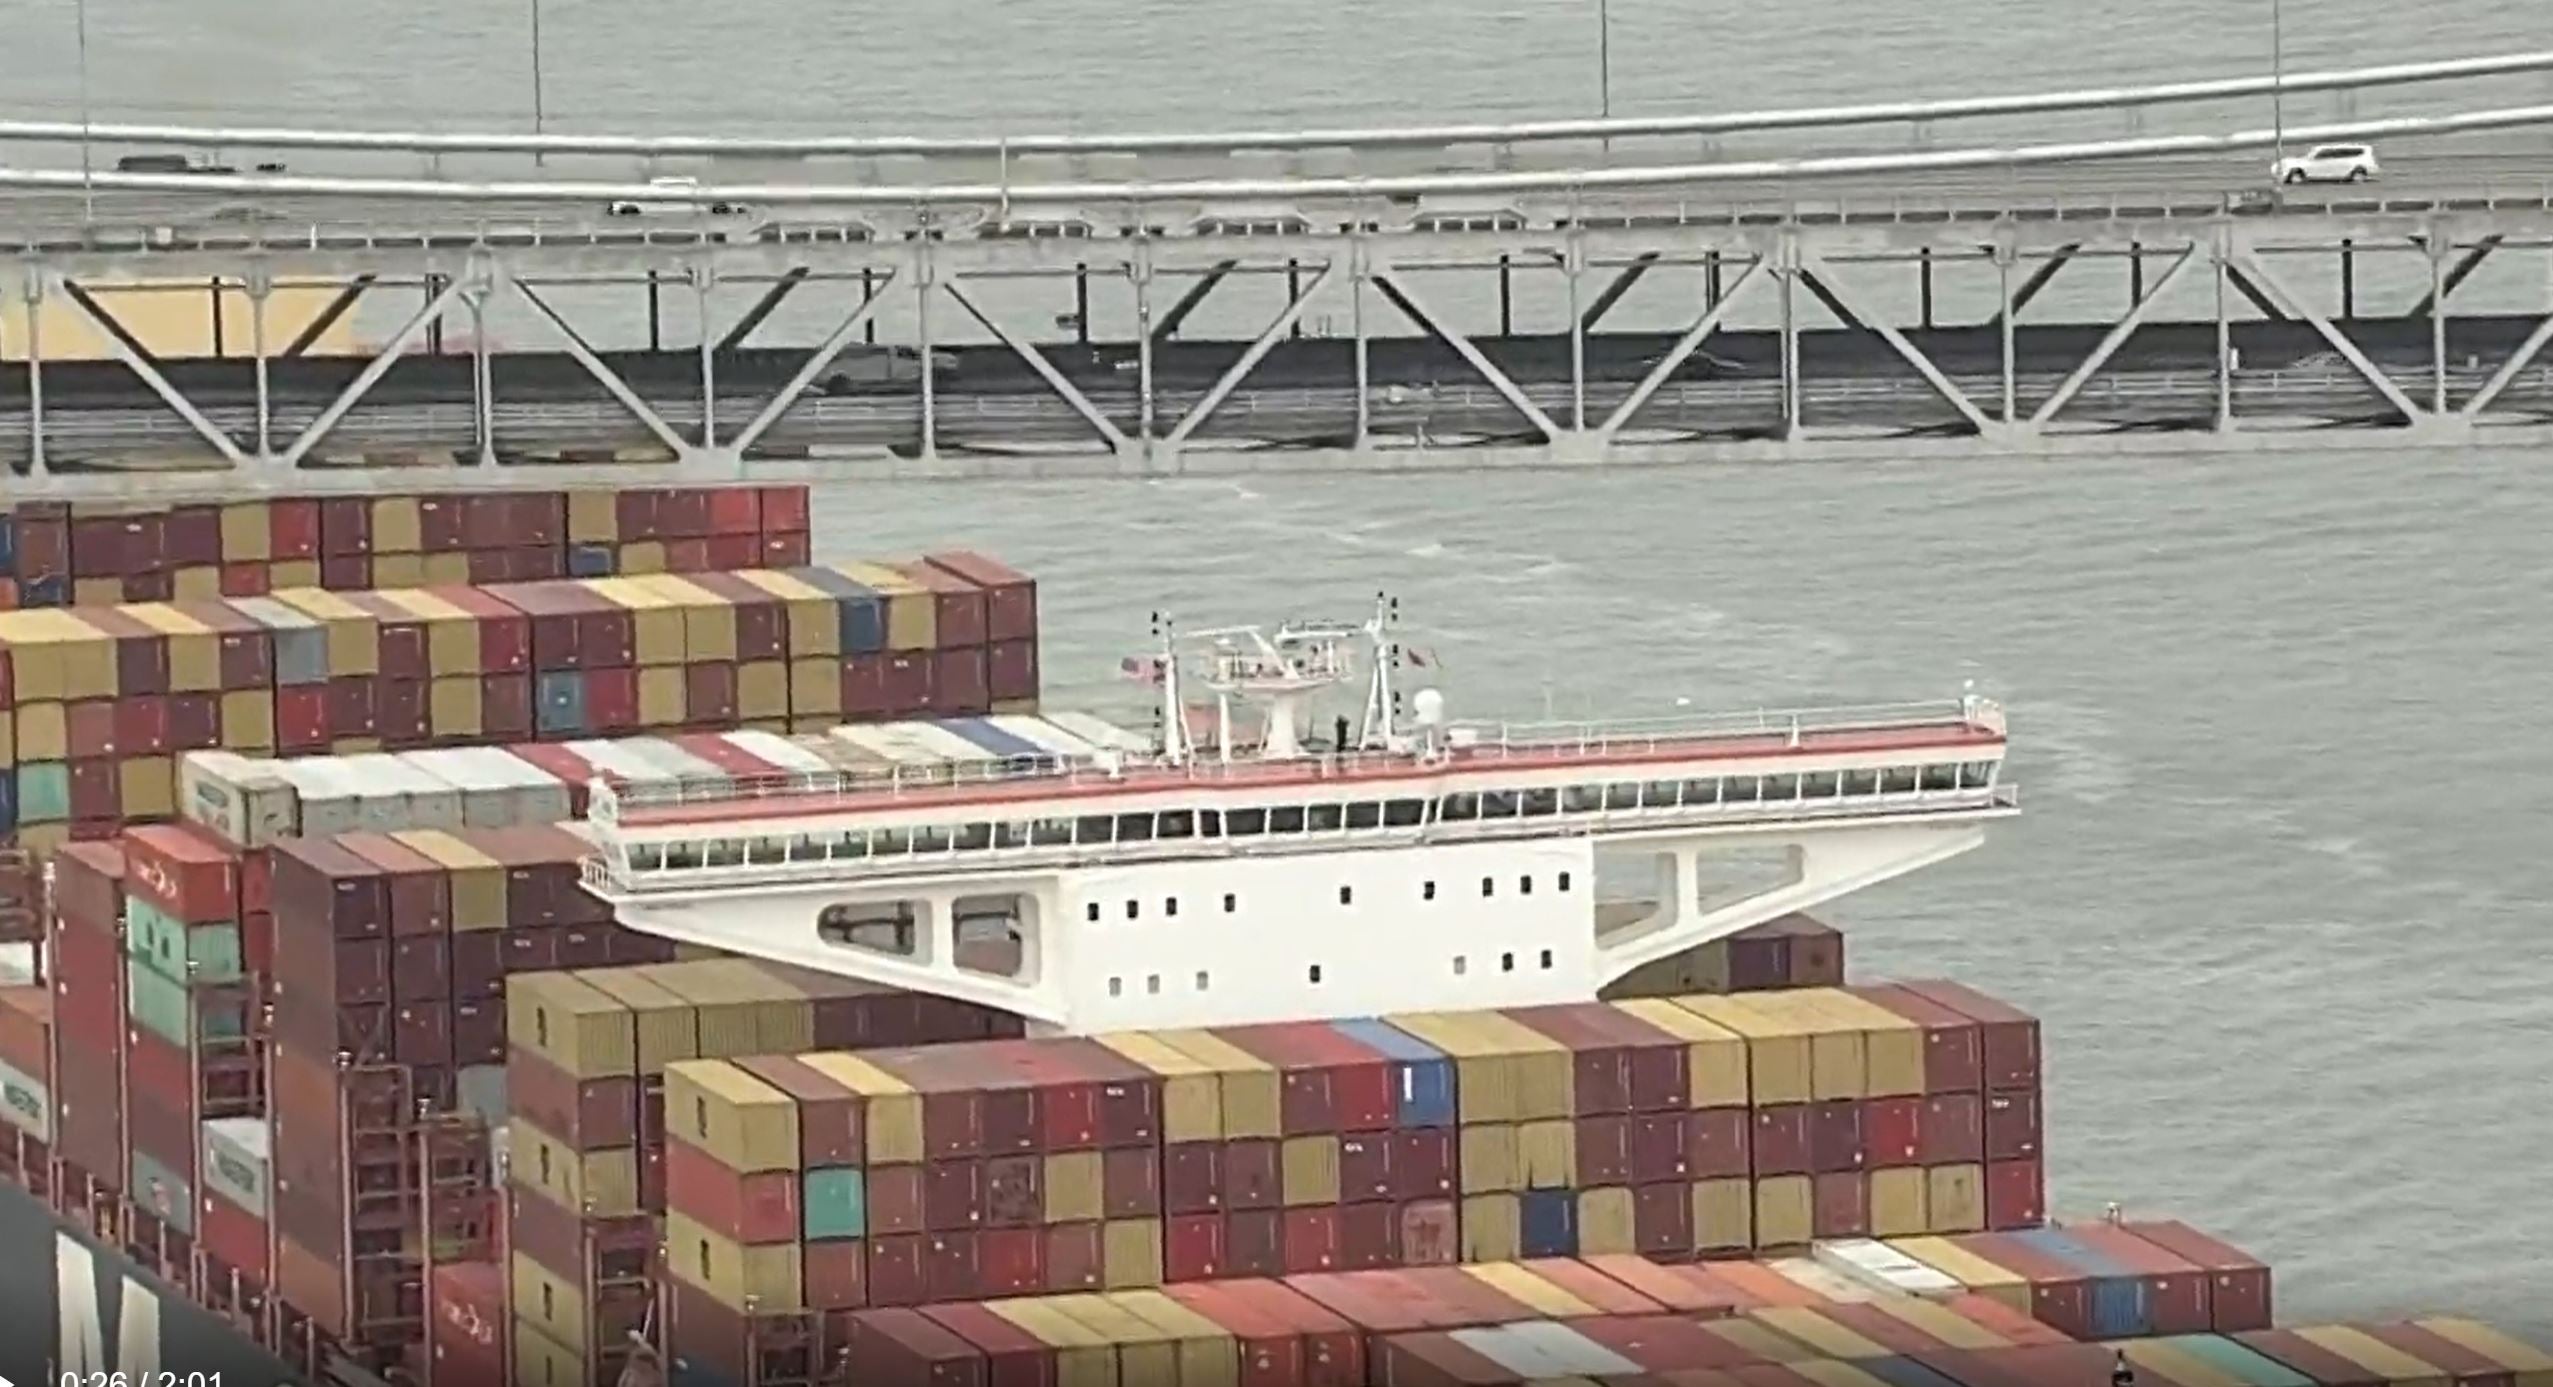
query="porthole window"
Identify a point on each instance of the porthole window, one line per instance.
(1315, 973)
(1506, 963)
(1231, 902)
(1091, 911)
(1133, 909)
(1347, 895)
(1427, 892)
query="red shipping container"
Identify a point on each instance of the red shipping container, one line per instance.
(1009, 1261)
(466, 1307)
(1192, 1177)
(611, 701)
(1013, 1357)
(1074, 1258)
(97, 791)
(1781, 1140)
(905, 1348)
(421, 1034)
(949, 1267)
(1892, 1132)
(2238, 1283)
(1311, 1240)
(957, 604)
(1717, 1144)
(1327, 1081)
(785, 551)
(709, 693)
(2176, 1292)
(1835, 1136)
(1369, 1236)
(194, 722)
(1952, 1060)
(835, 1274)
(233, 1235)
(1130, 1183)
(2016, 1194)
(2060, 1292)
(1192, 1247)
(301, 718)
(184, 870)
(1430, 1233)
(734, 510)
(292, 527)
(908, 676)
(2007, 1037)
(400, 714)
(345, 572)
(1953, 1130)
(1009, 597)
(141, 725)
(353, 707)
(2012, 1126)
(505, 707)
(1662, 1220)
(246, 579)
(1841, 1205)
(1254, 1243)
(832, 1130)
(1251, 1174)
(1604, 1150)
(953, 1194)
(961, 683)
(191, 536)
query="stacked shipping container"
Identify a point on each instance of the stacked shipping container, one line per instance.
(1791, 951)
(617, 1087)
(1670, 1128)
(52, 555)
(96, 704)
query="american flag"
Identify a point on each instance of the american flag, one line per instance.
(1417, 658)
(1141, 669)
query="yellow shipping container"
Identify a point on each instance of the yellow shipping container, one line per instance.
(1209, 1356)
(1503, 1072)
(1607, 1222)
(1252, 1105)
(547, 1301)
(293, 573)
(1940, 1322)
(1547, 1155)
(452, 635)
(44, 733)
(725, 995)
(592, 1184)
(894, 1109)
(476, 880)
(1818, 1332)
(1310, 1171)
(2179, 1366)
(1130, 1253)
(593, 517)
(1955, 1199)
(1723, 1215)
(1490, 1159)
(1715, 1056)
(735, 1118)
(1838, 1067)
(540, 1361)
(1191, 1090)
(709, 621)
(912, 611)
(815, 689)
(398, 527)
(196, 583)
(1968, 1269)
(1892, 1045)
(2533, 1367)
(248, 533)
(760, 1280)
(55, 655)
(1777, 1050)
(1083, 1356)
(149, 786)
(2387, 1363)
(1493, 1228)
(248, 720)
(640, 557)
(445, 570)
(762, 692)
(1534, 1293)
(667, 1025)
(1784, 1211)
(1076, 1187)
(663, 701)
(567, 1021)
(654, 619)
(398, 571)
(1764, 1343)
(1899, 1203)
(455, 707)
(1143, 1351)
(194, 649)
(354, 635)
(8, 738)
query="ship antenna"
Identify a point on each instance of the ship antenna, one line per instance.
(1174, 716)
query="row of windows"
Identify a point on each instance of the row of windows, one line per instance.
(1152, 984)
(1506, 963)
(1738, 791)
(1347, 896)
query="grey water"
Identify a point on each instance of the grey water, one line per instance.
(2283, 886)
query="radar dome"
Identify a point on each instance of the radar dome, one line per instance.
(1429, 707)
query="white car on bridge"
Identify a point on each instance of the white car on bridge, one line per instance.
(674, 195)
(2328, 163)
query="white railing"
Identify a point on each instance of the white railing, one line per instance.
(1506, 133)
(1004, 193)
(1489, 743)
(605, 878)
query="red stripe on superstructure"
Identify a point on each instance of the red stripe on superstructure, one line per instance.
(1244, 775)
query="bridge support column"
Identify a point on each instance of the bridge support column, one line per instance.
(2253, 269)
(704, 277)
(31, 292)
(925, 277)
(2003, 321)
(1359, 270)
(2224, 334)
(482, 376)
(1789, 274)
(1574, 265)
(260, 287)
(2438, 252)
(1055, 380)
(1146, 334)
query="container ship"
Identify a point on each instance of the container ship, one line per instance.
(577, 940)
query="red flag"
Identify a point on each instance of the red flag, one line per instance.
(1142, 671)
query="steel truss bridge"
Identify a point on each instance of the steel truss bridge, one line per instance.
(1838, 306)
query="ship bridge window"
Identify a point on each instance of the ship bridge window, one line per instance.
(682, 855)
(1365, 814)
(1246, 823)
(1498, 804)
(1820, 785)
(1861, 782)
(1458, 808)
(1209, 823)
(1404, 813)
(1324, 818)
(1941, 777)
(1097, 829)
(1698, 793)
(1976, 775)
(1583, 799)
(1897, 780)
(1011, 835)
(1741, 789)
(1180, 823)
(646, 857)
(1048, 833)
(931, 838)
(1538, 803)
(973, 837)
(723, 852)
(1564, 881)
(1134, 828)
(1622, 794)
(1781, 787)
(892, 842)
(1661, 794)
(1286, 818)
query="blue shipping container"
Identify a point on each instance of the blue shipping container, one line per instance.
(8, 544)
(996, 742)
(862, 612)
(1422, 1075)
(589, 561)
(2238, 1361)
(2120, 1309)
(44, 793)
(52, 590)
(8, 800)
(836, 1204)
(562, 703)
(1550, 1223)
(1903, 1372)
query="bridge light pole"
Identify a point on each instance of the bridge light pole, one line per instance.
(2278, 77)
(540, 118)
(88, 168)
(1604, 57)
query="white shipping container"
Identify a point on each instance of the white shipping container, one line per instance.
(1882, 1267)
(1542, 1351)
(1832, 1284)
(948, 742)
(396, 794)
(498, 789)
(617, 761)
(239, 1161)
(894, 744)
(25, 1103)
(330, 803)
(249, 804)
(778, 750)
(689, 770)
(1042, 732)
(1100, 732)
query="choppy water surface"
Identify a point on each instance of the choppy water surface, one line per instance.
(2282, 885)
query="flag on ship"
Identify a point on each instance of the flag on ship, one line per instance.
(1419, 659)
(1141, 670)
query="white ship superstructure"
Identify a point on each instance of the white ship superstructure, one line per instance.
(1248, 864)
